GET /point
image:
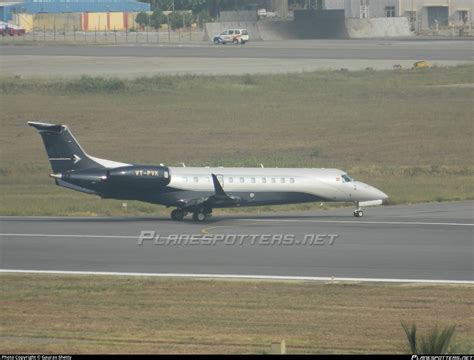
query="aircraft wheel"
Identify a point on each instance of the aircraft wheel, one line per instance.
(199, 216)
(177, 215)
(358, 213)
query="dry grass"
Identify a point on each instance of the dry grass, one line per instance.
(397, 130)
(141, 315)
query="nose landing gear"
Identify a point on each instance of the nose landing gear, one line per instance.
(358, 212)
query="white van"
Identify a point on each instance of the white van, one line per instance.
(235, 36)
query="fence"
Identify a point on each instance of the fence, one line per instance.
(147, 36)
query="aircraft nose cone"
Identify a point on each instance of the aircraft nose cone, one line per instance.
(373, 193)
(381, 195)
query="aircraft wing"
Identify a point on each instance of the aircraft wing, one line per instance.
(220, 198)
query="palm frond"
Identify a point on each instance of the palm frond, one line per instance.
(436, 342)
(411, 337)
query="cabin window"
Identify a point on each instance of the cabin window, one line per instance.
(231, 180)
(196, 179)
(264, 180)
(282, 180)
(253, 180)
(292, 180)
(273, 180)
(242, 180)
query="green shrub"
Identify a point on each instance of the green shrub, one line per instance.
(157, 18)
(178, 20)
(142, 19)
(437, 342)
(202, 18)
(88, 84)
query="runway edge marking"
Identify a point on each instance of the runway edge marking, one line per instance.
(358, 222)
(242, 277)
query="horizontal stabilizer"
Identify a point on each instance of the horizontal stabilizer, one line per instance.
(46, 127)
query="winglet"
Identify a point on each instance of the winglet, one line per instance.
(217, 186)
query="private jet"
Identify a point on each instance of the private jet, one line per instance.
(197, 190)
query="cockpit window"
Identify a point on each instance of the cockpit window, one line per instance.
(346, 178)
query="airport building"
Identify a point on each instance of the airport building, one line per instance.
(429, 14)
(422, 14)
(8, 10)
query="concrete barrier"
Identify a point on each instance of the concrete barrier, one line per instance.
(230, 16)
(277, 30)
(258, 30)
(337, 28)
(378, 27)
(320, 24)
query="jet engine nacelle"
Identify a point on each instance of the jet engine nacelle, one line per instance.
(83, 177)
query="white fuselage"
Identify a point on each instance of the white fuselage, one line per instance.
(325, 183)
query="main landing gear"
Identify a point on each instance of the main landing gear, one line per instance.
(178, 215)
(198, 215)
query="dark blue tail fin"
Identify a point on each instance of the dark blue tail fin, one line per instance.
(64, 152)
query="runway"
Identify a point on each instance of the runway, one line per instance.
(432, 242)
(459, 50)
(136, 60)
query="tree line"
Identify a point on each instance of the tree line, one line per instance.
(213, 7)
(202, 10)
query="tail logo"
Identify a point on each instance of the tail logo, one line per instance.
(76, 159)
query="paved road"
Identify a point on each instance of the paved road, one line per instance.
(202, 58)
(453, 50)
(430, 241)
(254, 58)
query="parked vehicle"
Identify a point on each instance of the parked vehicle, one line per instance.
(10, 29)
(234, 36)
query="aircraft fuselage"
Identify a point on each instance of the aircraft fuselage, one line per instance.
(197, 190)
